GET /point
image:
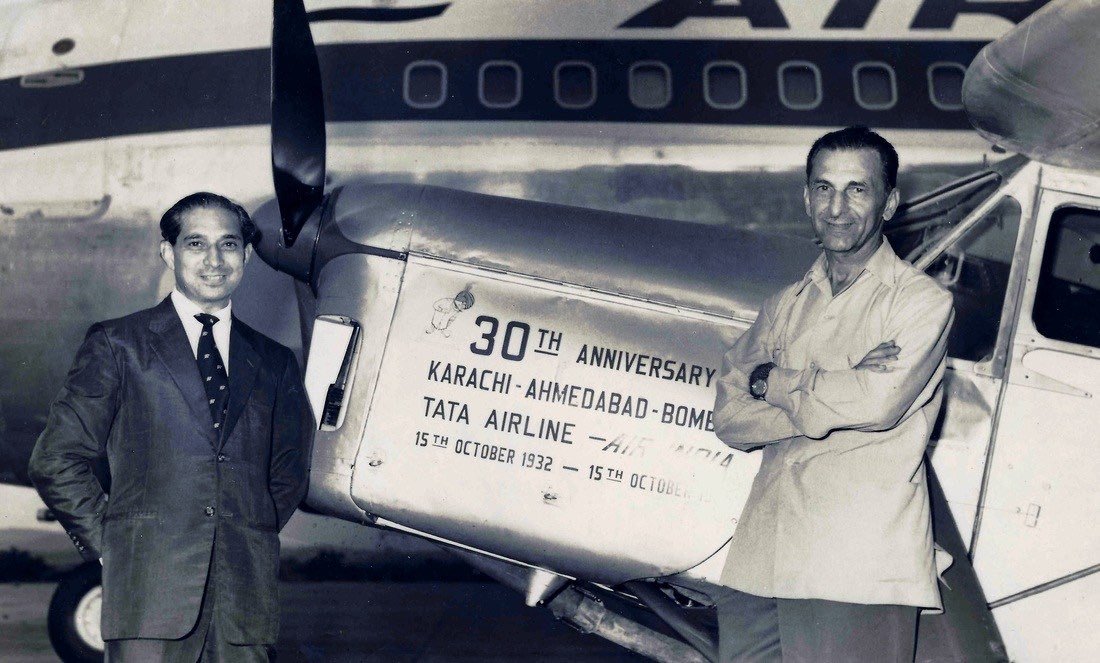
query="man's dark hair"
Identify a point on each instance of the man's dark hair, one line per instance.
(172, 220)
(858, 138)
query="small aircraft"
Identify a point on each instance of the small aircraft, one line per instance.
(558, 361)
(538, 400)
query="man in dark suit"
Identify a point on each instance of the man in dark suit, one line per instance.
(207, 459)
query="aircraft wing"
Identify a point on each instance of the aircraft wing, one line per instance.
(1036, 90)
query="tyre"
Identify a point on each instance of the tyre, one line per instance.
(73, 621)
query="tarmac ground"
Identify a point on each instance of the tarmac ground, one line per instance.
(411, 622)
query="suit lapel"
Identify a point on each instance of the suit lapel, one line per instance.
(244, 363)
(170, 343)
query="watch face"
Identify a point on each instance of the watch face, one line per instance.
(758, 387)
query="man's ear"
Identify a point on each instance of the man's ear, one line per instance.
(167, 255)
(247, 252)
(892, 202)
(806, 200)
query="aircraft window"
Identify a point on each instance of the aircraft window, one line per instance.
(1068, 295)
(920, 223)
(575, 84)
(975, 269)
(945, 84)
(725, 85)
(499, 84)
(875, 85)
(63, 46)
(650, 84)
(800, 85)
(425, 84)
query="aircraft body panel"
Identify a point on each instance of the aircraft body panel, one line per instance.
(206, 26)
(427, 451)
(1055, 626)
(76, 76)
(568, 430)
(781, 83)
(1032, 546)
(723, 271)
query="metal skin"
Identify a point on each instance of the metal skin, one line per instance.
(658, 287)
(537, 383)
(379, 247)
(719, 270)
(403, 258)
(1034, 90)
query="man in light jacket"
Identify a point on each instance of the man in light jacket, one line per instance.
(839, 381)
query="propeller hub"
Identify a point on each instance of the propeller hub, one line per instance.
(271, 244)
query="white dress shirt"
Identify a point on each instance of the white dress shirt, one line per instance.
(187, 310)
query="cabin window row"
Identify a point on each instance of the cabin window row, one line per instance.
(725, 84)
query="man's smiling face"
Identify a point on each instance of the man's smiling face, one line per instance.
(208, 257)
(847, 200)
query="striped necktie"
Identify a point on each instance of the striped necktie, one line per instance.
(212, 369)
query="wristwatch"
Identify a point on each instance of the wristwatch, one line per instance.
(758, 380)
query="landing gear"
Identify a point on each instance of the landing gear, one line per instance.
(73, 620)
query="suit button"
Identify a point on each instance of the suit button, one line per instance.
(209, 511)
(222, 458)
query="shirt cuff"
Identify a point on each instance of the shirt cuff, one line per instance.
(782, 382)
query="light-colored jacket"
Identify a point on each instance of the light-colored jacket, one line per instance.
(840, 507)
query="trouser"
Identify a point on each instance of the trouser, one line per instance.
(204, 643)
(753, 629)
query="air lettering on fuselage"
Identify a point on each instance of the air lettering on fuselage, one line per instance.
(846, 14)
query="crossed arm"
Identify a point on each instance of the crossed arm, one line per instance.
(877, 393)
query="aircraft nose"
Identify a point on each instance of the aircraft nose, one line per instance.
(271, 247)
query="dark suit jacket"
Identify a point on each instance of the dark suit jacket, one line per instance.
(181, 494)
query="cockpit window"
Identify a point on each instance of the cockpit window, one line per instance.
(975, 266)
(1067, 300)
(975, 269)
(922, 222)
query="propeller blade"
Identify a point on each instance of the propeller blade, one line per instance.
(297, 118)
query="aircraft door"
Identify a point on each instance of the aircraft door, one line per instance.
(978, 271)
(57, 66)
(1036, 548)
(983, 270)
